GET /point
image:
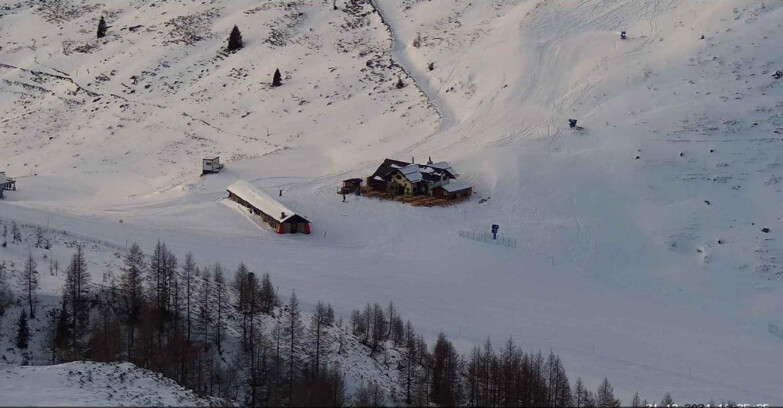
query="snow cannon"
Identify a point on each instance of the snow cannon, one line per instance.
(572, 123)
(623, 36)
(495, 229)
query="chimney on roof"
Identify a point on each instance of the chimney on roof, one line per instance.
(282, 214)
(429, 159)
(412, 161)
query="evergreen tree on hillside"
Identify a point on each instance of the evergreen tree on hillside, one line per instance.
(76, 299)
(102, 28)
(667, 400)
(268, 296)
(22, 331)
(28, 281)
(132, 293)
(6, 296)
(277, 79)
(219, 303)
(319, 343)
(235, 40)
(293, 331)
(605, 395)
(189, 271)
(63, 337)
(445, 372)
(16, 234)
(636, 402)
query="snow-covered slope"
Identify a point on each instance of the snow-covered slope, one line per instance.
(93, 384)
(640, 252)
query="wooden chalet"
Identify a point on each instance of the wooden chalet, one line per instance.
(399, 178)
(265, 209)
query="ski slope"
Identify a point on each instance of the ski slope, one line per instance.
(640, 255)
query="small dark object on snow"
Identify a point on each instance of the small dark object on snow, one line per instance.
(280, 194)
(702, 37)
(765, 230)
(343, 197)
(778, 74)
(495, 229)
(712, 150)
(636, 157)
(400, 84)
(682, 154)
(431, 66)
(102, 28)
(707, 202)
(623, 36)
(277, 79)
(720, 241)
(572, 123)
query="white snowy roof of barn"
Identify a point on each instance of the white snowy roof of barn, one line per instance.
(261, 200)
(457, 186)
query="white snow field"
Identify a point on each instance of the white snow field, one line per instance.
(92, 384)
(640, 254)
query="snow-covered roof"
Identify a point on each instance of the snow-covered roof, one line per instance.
(445, 166)
(412, 173)
(457, 186)
(261, 200)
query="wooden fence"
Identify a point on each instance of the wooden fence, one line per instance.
(487, 238)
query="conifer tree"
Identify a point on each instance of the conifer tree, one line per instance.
(63, 337)
(667, 400)
(277, 79)
(605, 395)
(16, 233)
(28, 281)
(22, 331)
(268, 296)
(132, 298)
(6, 296)
(320, 344)
(189, 272)
(102, 28)
(293, 332)
(75, 299)
(636, 402)
(220, 304)
(235, 40)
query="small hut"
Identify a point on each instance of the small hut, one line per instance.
(265, 209)
(211, 165)
(6, 183)
(351, 186)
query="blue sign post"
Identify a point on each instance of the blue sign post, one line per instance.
(495, 229)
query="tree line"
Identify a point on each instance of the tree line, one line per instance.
(236, 340)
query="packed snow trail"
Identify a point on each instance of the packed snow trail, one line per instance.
(399, 51)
